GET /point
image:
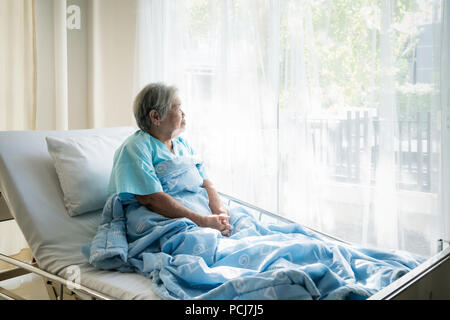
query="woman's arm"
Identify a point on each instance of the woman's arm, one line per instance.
(168, 207)
(215, 204)
(165, 205)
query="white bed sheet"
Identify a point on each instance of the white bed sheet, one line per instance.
(30, 186)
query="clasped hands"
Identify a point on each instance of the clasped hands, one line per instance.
(219, 220)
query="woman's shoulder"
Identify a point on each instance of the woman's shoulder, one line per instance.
(139, 137)
(139, 140)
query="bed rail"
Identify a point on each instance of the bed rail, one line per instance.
(63, 283)
(275, 216)
(430, 280)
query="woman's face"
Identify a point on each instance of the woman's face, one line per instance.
(174, 122)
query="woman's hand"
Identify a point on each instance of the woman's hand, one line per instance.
(219, 222)
(223, 212)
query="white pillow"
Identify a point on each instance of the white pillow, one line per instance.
(83, 164)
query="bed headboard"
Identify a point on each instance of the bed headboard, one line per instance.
(30, 187)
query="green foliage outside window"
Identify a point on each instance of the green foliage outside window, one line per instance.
(344, 54)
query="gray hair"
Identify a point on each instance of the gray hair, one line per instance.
(154, 96)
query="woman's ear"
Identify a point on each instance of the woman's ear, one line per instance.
(154, 117)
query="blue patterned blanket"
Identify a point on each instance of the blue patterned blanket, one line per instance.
(258, 260)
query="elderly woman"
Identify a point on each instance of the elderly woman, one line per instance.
(158, 113)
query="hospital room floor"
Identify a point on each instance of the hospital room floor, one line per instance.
(29, 286)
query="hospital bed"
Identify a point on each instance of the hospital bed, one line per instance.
(30, 187)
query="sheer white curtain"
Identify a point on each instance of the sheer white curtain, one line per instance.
(323, 111)
(17, 65)
(366, 162)
(17, 88)
(444, 102)
(160, 24)
(221, 56)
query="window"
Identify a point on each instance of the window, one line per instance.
(324, 111)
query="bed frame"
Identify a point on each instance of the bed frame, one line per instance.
(430, 280)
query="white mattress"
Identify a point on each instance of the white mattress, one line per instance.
(30, 186)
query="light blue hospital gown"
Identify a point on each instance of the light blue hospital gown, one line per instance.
(133, 171)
